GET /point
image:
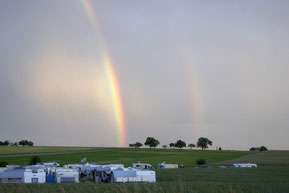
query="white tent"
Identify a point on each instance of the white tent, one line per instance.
(125, 176)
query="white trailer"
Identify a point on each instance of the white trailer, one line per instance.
(244, 165)
(126, 176)
(164, 165)
(34, 176)
(51, 164)
(65, 175)
(142, 166)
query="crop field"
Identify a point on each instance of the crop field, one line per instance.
(271, 177)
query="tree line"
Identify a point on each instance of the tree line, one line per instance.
(151, 142)
(21, 142)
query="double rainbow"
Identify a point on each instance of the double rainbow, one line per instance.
(111, 77)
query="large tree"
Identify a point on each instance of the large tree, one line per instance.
(263, 148)
(26, 142)
(34, 160)
(203, 142)
(172, 145)
(180, 144)
(5, 143)
(151, 142)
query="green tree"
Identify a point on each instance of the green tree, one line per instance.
(263, 148)
(138, 144)
(25, 142)
(3, 163)
(4, 143)
(131, 145)
(200, 161)
(204, 142)
(172, 145)
(151, 142)
(191, 145)
(34, 160)
(30, 143)
(180, 144)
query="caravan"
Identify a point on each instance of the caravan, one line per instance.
(142, 166)
(164, 165)
(65, 175)
(244, 165)
(34, 176)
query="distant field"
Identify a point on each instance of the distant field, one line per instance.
(128, 156)
(189, 180)
(11, 150)
(265, 158)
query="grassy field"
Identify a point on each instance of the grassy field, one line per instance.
(201, 180)
(265, 158)
(271, 177)
(129, 156)
(12, 150)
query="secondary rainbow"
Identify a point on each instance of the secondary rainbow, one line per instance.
(111, 76)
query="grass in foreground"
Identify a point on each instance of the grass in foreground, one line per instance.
(215, 180)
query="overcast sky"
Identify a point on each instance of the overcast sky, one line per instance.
(186, 69)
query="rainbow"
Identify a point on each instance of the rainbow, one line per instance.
(111, 77)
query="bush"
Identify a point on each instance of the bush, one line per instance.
(3, 164)
(263, 148)
(34, 160)
(200, 161)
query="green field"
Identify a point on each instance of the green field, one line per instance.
(202, 180)
(12, 150)
(265, 158)
(271, 177)
(129, 156)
